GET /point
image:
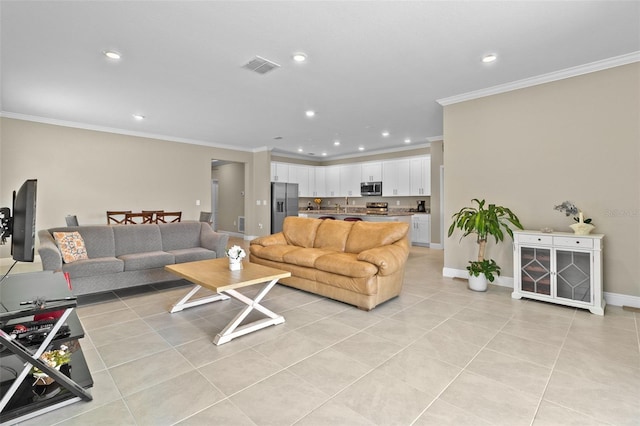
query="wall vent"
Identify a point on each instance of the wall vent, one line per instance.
(260, 65)
(241, 224)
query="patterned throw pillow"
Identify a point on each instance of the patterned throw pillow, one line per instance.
(71, 246)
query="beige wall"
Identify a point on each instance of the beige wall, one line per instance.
(87, 172)
(231, 195)
(576, 139)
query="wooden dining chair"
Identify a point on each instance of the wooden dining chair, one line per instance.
(154, 214)
(169, 217)
(117, 216)
(138, 218)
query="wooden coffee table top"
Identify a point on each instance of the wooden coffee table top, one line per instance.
(215, 275)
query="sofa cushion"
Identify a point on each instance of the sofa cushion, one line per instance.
(332, 235)
(300, 231)
(177, 236)
(192, 254)
(275, 252)
(91, 267)
(71, 246)
(137, 239)
(367, 235)
(304, 256)
(346, 264)
(98, 240)
(147, 260)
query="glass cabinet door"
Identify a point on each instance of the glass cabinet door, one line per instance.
(573, 279)
(535, 270)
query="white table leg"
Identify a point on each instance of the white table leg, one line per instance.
(184, 303)
(233, 330)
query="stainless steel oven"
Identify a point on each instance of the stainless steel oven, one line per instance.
(371, 188)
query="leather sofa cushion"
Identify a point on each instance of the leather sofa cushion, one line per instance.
(332, 235)
(346, 264)
(367, 235)
(275, 252)
(300, 231)
(148, 260)
(305, 256)
(90, 267)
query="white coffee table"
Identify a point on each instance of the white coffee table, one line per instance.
(214, 274)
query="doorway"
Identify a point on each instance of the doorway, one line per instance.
(214, 203)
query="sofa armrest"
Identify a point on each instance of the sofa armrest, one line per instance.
(211, 240)
(48, 250)
(389, 259)
(270, 240)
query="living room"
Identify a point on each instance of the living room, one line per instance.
(528, 143)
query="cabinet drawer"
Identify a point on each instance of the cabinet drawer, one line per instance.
(535, 239)
(574, 242)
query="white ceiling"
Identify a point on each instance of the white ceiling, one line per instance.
(372, 65)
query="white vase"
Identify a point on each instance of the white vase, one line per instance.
(235, 264)
(478, 283)
(582, 228)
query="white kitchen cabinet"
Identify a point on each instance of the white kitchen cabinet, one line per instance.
(559, 267)
(318, 181)
(332, 181)
(279, 172)
(395, 178)
(421, 229)
(420, 176)
(350, 180)
(371, 172)
(300, 174)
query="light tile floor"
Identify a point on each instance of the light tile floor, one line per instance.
(437, 355)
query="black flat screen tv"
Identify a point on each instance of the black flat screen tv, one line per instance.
(23, 234)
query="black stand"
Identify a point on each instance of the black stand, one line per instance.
(19, 401)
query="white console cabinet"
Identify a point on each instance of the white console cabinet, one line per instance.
(561, 268)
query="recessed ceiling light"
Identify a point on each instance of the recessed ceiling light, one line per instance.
(336, 143)
(299, 57)
(310, 113)
(489, 58)
(300, 150)
(111, 54)
(138, 117)
(385, 133)
(361, 148)
(324, 154)
(407, 140)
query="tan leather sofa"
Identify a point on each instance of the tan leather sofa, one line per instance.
(360, 263)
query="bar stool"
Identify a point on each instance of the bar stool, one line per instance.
(352, 219)
(327, 217)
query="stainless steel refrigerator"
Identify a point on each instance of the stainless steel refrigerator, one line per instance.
(284, 202)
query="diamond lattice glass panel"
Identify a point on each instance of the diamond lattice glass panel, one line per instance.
(573, 275)
(535, 275)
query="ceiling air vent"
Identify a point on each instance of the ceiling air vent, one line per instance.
(260, 65)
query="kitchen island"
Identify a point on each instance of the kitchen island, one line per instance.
(389, 217)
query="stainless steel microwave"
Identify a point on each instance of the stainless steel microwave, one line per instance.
(371, 188)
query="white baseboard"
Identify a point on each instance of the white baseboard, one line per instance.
(437, 246)
(613, 299)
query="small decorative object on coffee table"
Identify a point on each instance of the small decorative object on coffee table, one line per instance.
(235, 255)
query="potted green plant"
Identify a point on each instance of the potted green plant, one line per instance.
(484, 222)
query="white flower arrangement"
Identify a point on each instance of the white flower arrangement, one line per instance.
(236, 253)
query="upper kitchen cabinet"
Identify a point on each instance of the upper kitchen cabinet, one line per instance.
(332, 181)
(350, 180)
(395, 178)
(420, 175)
(279, 172)
(300, 174)
(371, 172)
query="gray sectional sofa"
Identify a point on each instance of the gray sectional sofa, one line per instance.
(123, 256)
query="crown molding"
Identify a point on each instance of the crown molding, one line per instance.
(114, 130)
(544, 78)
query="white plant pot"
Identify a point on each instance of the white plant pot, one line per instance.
(478, 283)
(235, 265)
